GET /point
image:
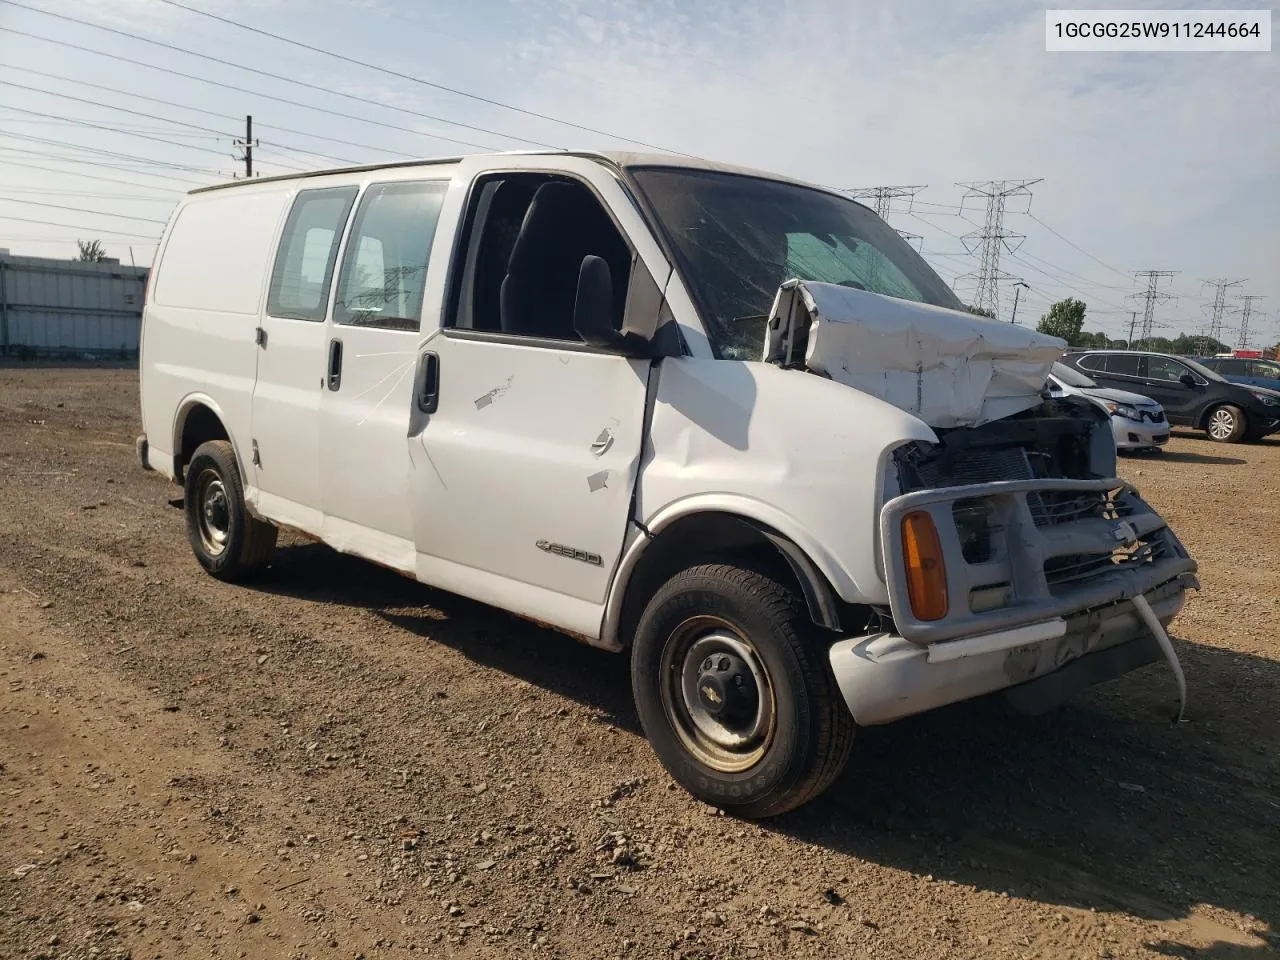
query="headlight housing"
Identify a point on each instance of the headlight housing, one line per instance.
(1266, 399)
(1122, 410)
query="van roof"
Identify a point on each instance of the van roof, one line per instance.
(613, 158)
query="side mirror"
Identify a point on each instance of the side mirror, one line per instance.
(1187, 380)
(593, 311)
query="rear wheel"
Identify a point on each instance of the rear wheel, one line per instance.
(229, 542)
(1226, 424)
(735, 693)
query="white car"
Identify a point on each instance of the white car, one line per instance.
(728, 423)
(1137, 422)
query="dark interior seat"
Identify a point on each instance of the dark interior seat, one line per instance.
(563, 224)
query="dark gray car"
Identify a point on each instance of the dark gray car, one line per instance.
(1192, 395)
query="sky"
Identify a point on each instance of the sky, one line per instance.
(1167, 161)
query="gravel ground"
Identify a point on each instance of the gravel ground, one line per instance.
(338, 762)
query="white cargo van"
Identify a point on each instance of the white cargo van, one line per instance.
(728, 423)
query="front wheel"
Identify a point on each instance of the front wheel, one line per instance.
(735, 693)
(229, 542)
(1226, 424)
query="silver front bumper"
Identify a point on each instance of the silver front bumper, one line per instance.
(884, 677)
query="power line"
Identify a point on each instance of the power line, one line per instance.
(98, 126)
(273, 76)
(136, 113)
(119, 156)
(257, 93)
(76, 226)
(40, 191)
(1075, 246)
(106, 106)
(76, 173)
(992, 236)
(426, 83)
(101, 213)
(224, 116)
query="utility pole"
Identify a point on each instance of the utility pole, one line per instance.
(1246, 313)
(1133, 322)
(1218, 307)
(1152, 295)
(246, 146)
(1017, 289)
(991, 236)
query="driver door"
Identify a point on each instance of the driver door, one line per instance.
(526, 442)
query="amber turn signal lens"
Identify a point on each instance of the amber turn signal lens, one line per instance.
(926, 572)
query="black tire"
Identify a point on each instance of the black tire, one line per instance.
(1226, 423)
(230, 543)
(811, 728)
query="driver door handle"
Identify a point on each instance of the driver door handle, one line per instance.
(429, 382)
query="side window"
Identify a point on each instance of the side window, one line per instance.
(1265, 368)
(525, 238)
(1093, 361)
(1164, 368)
(1230, 366)
(308, 247)
(1125, 364)
(384, 269)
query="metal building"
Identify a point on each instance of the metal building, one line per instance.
(69, 308)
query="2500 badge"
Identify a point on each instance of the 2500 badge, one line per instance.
(560, 550)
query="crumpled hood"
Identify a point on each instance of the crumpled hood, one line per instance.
(947, 367)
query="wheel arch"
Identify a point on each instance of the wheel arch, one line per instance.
(1209, 408)
(680, 538)
(199, 419)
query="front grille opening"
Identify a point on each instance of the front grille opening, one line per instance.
(1064, 573)
(1053, 508)
(976, 527)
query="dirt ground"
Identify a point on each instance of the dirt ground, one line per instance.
(338, 762)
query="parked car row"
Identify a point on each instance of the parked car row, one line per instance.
(1190, 393)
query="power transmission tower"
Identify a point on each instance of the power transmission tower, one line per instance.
(1246, 313)
(246, 146)
(1152, 295)
(1219, 305)
(883, 196)
(992, 236)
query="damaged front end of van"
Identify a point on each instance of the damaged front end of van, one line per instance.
(1014, 557)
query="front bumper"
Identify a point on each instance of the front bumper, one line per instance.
(1138, 434)
(885, 677)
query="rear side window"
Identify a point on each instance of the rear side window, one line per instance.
(1093, 361)
(1265, 368)
(384, 269)
(307, 251)
(1125, 364)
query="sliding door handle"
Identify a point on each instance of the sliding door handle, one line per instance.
(335, 364)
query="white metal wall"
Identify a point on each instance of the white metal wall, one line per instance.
(67, 307)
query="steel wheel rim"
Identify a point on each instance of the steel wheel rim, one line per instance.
(213, 512)
(1221, 424)
(738, 737)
